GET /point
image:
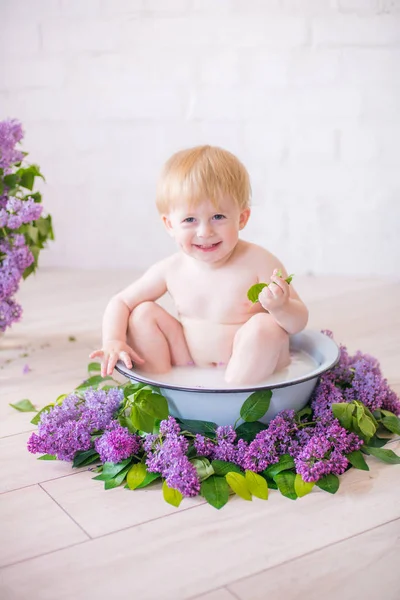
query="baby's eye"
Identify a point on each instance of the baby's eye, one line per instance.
(188, 220)
(219, 217)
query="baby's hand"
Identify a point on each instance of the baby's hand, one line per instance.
(276, 294)
(111, 352)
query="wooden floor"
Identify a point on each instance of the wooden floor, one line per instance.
(64, 537)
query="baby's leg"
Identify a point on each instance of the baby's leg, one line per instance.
(157, 337)
(260, 347)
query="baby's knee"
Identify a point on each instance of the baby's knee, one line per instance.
(264, 327)
(144, 312)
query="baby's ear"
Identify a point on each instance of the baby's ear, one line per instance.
(244, 217)
(167, 224)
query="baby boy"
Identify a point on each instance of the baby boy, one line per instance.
(203, 197)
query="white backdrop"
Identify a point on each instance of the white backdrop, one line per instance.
(305, 92)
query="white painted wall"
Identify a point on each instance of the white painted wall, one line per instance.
(305, 92)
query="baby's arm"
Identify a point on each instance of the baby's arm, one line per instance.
(283, 303)
(151, 286)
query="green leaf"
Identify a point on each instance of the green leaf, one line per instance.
(141, 420)
(387, 456)
(366, 425)
(285, 482)
(170, 495)
(203, 467)
(154, 405)
(304, 412)
(257, 485)
(392, 423)
(256, 405)
(82, 459)
(110, 470)
(27, 176)
(215, 490)
(222, 467)
(285, 463)
(255, 290)
(377, 442)
(239, 485)
(94, 382)
(301, 487)
(206, 428)
(150, 477)
(118, 479)
(330, 483)
(343, 411)
(38, 416)
(136, 475)
(11, 180)
(47, 457)
(248, 431)
(357, 460)
(24, 406)
(94, 367)
(61, 398)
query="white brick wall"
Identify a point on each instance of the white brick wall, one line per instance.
(305, 92)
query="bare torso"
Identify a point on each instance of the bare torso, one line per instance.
(212, 303)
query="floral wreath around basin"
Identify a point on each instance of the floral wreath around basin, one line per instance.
(125, 432)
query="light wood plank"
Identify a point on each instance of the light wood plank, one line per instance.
(42, 526)
(198, 550)
(365, 566)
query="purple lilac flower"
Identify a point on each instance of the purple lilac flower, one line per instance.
(169, 426)
(10, 312)
(117, 444)
(260, 453)
(204, 446)
(10, 134)
(325, 451)
(67, 428)
(166, 454)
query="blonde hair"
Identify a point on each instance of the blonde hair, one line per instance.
(192, 175)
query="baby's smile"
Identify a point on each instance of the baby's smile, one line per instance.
(207, 247)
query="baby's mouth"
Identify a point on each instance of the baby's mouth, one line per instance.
(207, 246)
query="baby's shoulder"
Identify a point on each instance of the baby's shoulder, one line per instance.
(257, 253)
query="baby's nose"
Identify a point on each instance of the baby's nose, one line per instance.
(205, 230)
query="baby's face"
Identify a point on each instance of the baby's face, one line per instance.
(207, 233)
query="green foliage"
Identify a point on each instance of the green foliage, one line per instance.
(257, 485)
(330, 483)
(24, 406)
(302, 487)
(37, 417)
(248, 431)
(215, 490)
(206, 428)
(171, 496)
(387, 456)
(82, 459)
(222, 467)
(285, 463)
(36, 233)
(357, 460)
(203, 467)
(47, 457)
(238, 484)
(256, 405)
(255, 289)
(136, 475)
(285, 482)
